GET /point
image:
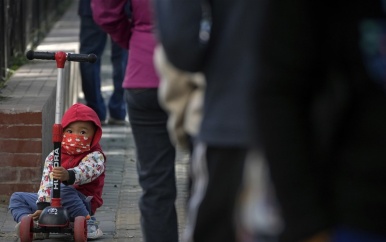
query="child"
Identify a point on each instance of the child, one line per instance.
(82, 173)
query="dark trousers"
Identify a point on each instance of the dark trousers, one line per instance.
(155, 165)
(93, 40)
(217, 177)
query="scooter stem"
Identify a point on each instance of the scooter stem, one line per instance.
(57, 130)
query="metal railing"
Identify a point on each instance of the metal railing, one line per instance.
(23, 24)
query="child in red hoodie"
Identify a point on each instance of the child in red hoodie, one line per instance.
(82, 173)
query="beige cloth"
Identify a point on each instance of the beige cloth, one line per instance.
(181, 94)
(258, 211)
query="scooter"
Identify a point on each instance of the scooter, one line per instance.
(54, 218)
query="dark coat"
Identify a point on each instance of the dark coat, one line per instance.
(228, 61)
(322, 113)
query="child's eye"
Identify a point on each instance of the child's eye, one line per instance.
(82, 132)
(69, 131)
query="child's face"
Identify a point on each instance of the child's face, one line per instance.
(86, 129)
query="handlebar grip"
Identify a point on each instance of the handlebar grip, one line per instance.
(92, 58)
(40, 55)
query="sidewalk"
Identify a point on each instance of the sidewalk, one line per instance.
(119, 216)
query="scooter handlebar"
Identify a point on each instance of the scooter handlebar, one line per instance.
(40, 55)
(69, 56)
(82, 57)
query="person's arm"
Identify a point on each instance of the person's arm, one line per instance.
(112, 17)
(178, 26)
(90, 168)
(44, 193)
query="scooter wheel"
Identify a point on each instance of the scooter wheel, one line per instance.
(26, 226)
(80, 229)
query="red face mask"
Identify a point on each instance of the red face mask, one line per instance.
(74, 144)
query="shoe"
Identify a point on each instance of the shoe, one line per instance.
(17, 229)
(36, 236)
(93, 230)
(113, 121)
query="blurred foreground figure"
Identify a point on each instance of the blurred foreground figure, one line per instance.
(321, 110)
(227, 59)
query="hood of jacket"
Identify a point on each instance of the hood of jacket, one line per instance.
(81, 112)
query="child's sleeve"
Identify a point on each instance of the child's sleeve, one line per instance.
(44, 193)
(90, 168)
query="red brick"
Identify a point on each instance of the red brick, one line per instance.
(26, 175)
(20, 160)
(21, 146)
(8, 189)
(21, 118)
(9, 175)
(30, 175)
(20, 131)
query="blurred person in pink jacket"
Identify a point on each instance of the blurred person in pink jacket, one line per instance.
(155, 152)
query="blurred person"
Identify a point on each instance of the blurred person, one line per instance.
(93, 40)
(227, 61)
(155, 152)
(321, 114)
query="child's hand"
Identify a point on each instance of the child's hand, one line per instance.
(60, 173)
(36, 214)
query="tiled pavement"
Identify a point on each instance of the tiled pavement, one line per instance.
(119, 216)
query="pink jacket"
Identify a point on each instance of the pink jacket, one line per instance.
(135, 34)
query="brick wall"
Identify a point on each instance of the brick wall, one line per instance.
(21, 149)
(27, 110)
(26, 118)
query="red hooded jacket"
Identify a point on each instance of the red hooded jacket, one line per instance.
(81, 112)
